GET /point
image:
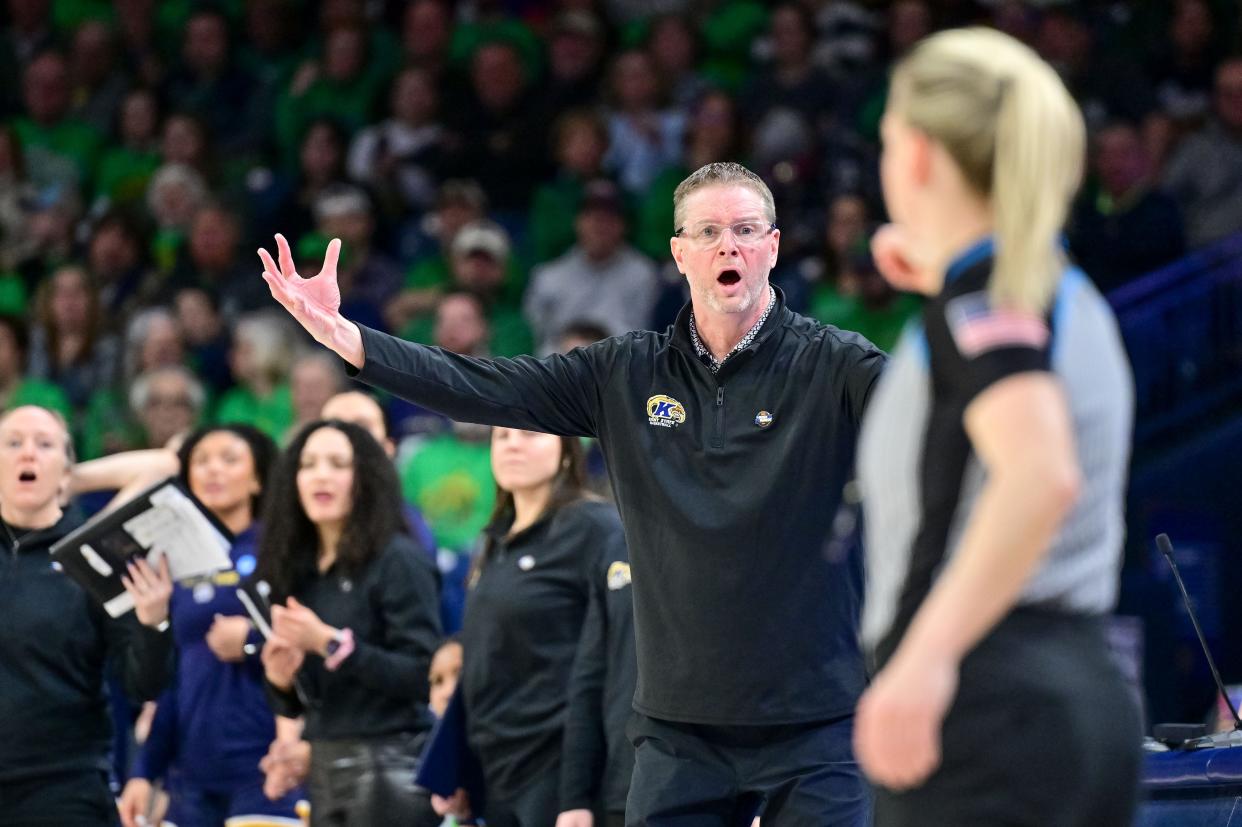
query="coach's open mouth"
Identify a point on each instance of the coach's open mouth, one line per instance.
(729, 277)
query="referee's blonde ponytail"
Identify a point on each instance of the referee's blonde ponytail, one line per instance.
(1015, 132)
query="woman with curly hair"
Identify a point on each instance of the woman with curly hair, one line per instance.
(355, 624)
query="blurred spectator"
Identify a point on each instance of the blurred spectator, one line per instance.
(401, 159)
(602, 279)
(1121, 227)
(315, 377)
(53, 225)
(261, 357)
(448, 476)
(1106, 85)
(715, 135)
(207, 341)
(166, 402)
(500, 129)
(361, 409)
(99, 83)
(212, 260)
(426, 30)
(143, 55)
(267, 52)
(115, 256)
(644, 137)
(864, 97)
(184, 140)
(575, 58)
(368, 279)
(335, 85)
(208, 81)
(1205, 174)
(16, 388)
(17, 197)
(285, 204)
(127, 165)
(29, 32)
(846, 38)
(1182, 67)
(152, 340)
(482, 267)
(60, 151)
(461, 325)
(581, 142)
(673, 48)
(627, 11)
(443, 674)
(177, 193)
(848, 291)
(458, 203)
(792, 82)
(68, 344)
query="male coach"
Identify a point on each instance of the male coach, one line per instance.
(728, 439)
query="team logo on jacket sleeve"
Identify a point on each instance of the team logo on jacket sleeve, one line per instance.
(618, 576)
(665, 411)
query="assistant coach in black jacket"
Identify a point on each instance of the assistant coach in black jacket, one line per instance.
(55, 731)
(728, 440)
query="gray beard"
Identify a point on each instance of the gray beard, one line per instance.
(748, 300)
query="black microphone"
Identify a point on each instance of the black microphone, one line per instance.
(1166, 548)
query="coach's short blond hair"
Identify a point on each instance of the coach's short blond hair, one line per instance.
(721, 174)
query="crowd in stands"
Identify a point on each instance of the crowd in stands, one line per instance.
(500, 173)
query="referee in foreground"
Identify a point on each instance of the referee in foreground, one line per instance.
(728, 439)
(993, 464)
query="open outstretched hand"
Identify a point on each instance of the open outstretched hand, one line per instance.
(315, 302)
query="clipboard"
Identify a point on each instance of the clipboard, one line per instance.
(164, 521)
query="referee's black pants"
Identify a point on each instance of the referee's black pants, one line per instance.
(1043, 732)
(689, 775)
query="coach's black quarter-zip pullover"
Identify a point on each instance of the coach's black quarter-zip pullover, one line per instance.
(728, 486)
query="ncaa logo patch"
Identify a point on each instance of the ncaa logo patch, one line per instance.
(618, 576)
(665, 411)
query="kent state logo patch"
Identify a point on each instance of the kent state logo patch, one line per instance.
(665, 411)
(618, 576)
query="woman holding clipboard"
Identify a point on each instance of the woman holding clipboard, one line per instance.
(214, 725)
(55, 731)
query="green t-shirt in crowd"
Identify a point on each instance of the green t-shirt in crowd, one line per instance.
(123, 174)
(60, 153)
(882, 327)
(351, 105)
(511, 334)
(272, 414)
(653, 216)
(553, 210)
(13, 296)
(38, 392)
(450, 481)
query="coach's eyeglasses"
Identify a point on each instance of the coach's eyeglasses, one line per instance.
(745, 233)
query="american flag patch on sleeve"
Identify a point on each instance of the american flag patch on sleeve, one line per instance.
(978, 326)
